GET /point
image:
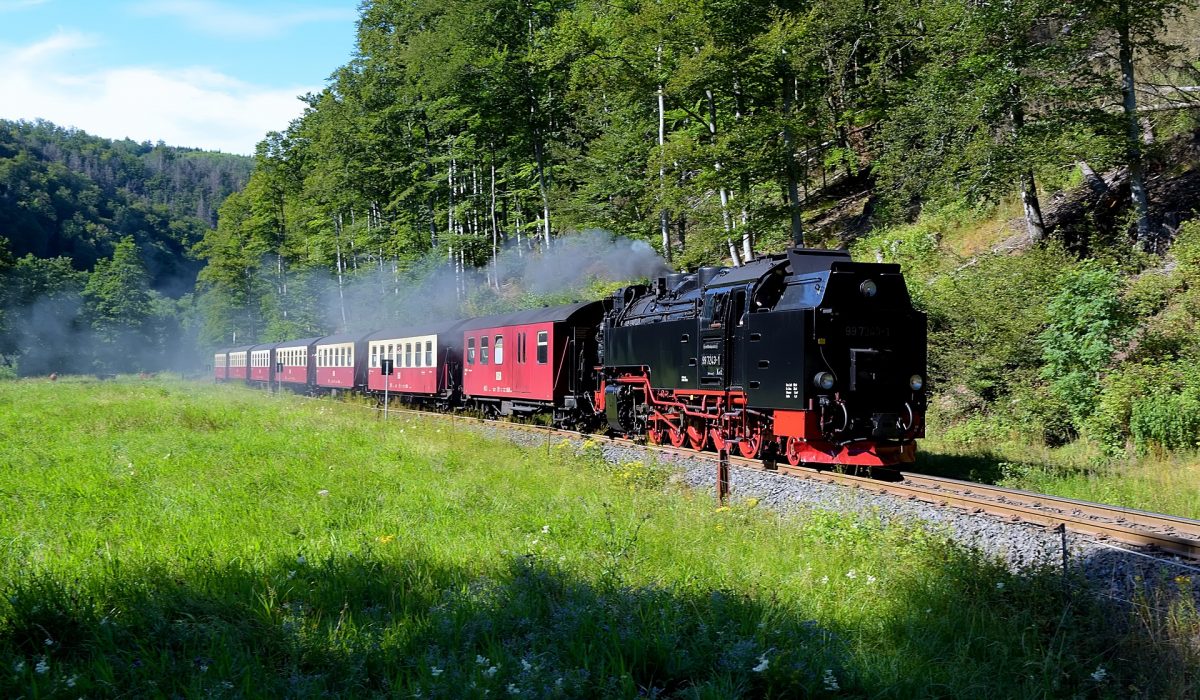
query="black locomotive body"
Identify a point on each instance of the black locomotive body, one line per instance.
(805, 355)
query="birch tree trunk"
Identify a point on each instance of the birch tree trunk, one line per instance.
(337, 237)
(793, 190)
(1029, 196)
(1133, 148)
(723, 193)
(663, 219)
(495, 228)
(539, 150)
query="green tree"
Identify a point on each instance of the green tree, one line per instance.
(120, 309)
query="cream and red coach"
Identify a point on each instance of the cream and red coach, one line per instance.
(533, 361)
(294, 364)
(262, 363)
(221, 366)
(426, 362)
(239, 363)
(341, 362)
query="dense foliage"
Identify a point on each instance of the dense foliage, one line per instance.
(713, 129)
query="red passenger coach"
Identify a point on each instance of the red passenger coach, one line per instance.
(296, 356)
(426, 361)
(239, 363)
(532, 360)
(262, 363)
(221, 366)
(341, 361)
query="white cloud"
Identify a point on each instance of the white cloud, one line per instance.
(195, 107)
(11, 5)
(235, 22)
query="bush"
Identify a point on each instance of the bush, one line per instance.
(984, 320)
(1086, 319)
(1166, 422)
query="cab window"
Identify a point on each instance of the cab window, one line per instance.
(470, 351)
(483, 350)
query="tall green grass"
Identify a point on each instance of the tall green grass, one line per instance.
(169, 538)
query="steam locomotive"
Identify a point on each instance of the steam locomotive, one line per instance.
(805, 356)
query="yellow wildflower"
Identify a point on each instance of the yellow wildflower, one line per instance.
(384, 539)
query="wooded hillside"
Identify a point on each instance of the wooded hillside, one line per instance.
(713, 129)
(96, 237)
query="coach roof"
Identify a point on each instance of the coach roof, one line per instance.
(415, 330)
(550, 314)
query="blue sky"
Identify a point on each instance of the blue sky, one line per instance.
(203, 73)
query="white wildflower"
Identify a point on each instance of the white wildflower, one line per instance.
(762, 664)
(999, 585)
(301, 560)
(526, 665)
(491, 671)
(435, 671)
(851, 574)
(481, 660)
(49, 642)
(533, 543)
(830, 680)
(323, 493)
(824, 579)
(871, 579)
(291, 575)
(513, 689)
(1100, 674)
(42, 666)
(19, 666)
(545, 529)
(71, 681)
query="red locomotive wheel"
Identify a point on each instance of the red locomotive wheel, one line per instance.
(718, 440)
(792, 452)
(676, 436)
(749, 447)
(654, 434)
(697, 436)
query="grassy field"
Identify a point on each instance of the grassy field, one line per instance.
(177, 539)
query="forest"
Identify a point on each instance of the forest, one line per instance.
(1031, 165)
(96, 240)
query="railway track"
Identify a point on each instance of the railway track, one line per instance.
(1155, 532)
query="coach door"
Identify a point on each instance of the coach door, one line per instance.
(713, 335)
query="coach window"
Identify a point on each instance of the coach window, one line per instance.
(499, 349)
(374, 355)
(543, 352)
(470, 351)
(417, 354)
(428, 353)
(483, 350)
(408, 354)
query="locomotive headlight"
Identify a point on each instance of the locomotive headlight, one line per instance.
(824, 381)
(915, 382)
(868, 288)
